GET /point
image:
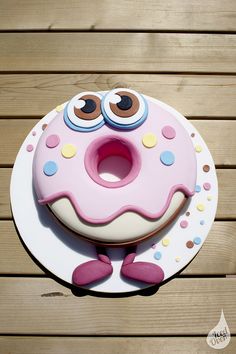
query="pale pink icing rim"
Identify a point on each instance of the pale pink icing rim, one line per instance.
(66, 194)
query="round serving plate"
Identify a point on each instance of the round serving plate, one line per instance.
(60, 251)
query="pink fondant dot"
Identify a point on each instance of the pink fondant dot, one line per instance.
(168, 132)
(207, 186)
(52, 141)
(29, 148)
(33, 132)
(184, 224)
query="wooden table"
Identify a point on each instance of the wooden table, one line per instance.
(181, 52)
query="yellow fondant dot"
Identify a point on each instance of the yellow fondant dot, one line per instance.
(200, 207)
(59, 108)
(149, 140)
(165, 241)
(177, 259)
(209, 197)
(68, 151)
(198, 148)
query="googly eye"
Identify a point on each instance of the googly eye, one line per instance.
(124, 108)
(83, 112)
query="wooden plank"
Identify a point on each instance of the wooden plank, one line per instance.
(227, 194)
(108, 345)
(187, 15)
(195, 306)
(217, 255)
(29, 95)
(14, 258)
(219, 136)
(220, 141)
(226, 204)
(5, 208)
(146, 52)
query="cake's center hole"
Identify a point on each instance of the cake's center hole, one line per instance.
(114, 161)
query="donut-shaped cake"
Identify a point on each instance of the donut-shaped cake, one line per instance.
(121, 135)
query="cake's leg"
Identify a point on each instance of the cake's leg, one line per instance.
(92, 271)
(142, 271)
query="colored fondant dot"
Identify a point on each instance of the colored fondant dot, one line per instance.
(198, 148)
(68, 151)
(197, 188)
(165, 241)
(207, 186)
(168, 132)
(149, 140)
(33, 132)
(52, 141)
(50, 168)
(197, 240)
(206, 168)
(177, 259)
(167, 158)
(189, 244)
(202, 222)
(188, 213)
(209, 198)
(44, 126)
(59, 108)
(29, 148)
(183, 224)
(200, 207)
(192, 135)
(157, 255)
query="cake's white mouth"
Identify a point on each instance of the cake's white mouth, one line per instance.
(112, 161)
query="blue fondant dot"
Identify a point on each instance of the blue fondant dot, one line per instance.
(157, 255)
(198, 188)
(202, 222)
(167, 158)
(197, 240)
(50, 168)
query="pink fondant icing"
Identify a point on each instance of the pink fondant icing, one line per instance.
(29, 148)
(168, 132)
(52, 141)
(150, 184)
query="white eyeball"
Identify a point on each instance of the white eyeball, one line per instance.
(83, 112)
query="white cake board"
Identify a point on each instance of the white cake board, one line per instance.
(60, 251)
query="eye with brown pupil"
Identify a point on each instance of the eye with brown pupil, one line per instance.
(128, 105)
(125, 103)
(92, 108)
(89, 106)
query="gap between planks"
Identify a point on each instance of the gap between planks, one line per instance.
(140, 30)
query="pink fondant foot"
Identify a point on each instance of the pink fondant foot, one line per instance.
(142, 271)
(92, 271)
